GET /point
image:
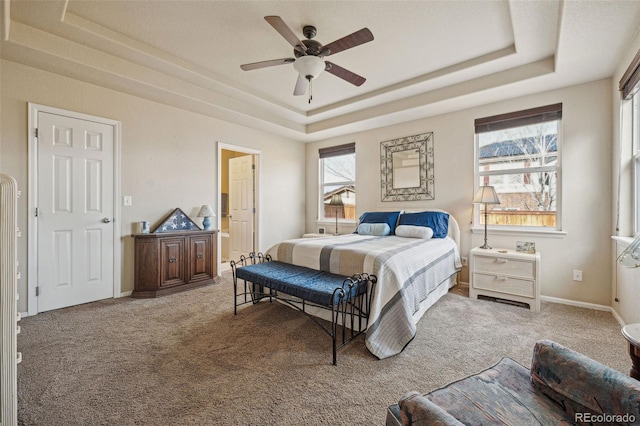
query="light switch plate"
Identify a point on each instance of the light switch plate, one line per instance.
(127, 201)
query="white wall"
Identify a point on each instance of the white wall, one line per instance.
(626, 282)
(169, 157)
(586, 174)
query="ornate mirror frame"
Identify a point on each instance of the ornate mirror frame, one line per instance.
(423, 145)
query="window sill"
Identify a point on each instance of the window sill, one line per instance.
(333, 222)
(624, 241)
(550, 233)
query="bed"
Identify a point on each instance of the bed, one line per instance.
(413, 273)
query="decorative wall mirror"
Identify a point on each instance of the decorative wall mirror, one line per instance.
(406, 168)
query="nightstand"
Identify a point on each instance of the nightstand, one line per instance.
(314, 235)
(505, 274)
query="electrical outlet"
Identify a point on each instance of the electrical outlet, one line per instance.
(465, 261)
(577, 275)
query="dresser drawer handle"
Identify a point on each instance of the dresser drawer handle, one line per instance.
(172, 260)
(199, 255)
(502, 260)
(501, 278)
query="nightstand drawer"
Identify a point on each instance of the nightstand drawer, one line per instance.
(504, 284)
(504, 266)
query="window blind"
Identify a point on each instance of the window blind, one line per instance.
(630, 81)
(334, 151)
(519, 118)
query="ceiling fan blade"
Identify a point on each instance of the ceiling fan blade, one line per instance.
(264, 64)
(301, 86)
(344, 74)
(278, 24)
(347, 42)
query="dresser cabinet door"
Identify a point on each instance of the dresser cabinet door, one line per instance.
(172, 261)
(201, 257)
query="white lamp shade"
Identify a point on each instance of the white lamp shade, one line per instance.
(309, 66)
(206, 211)
(486, 195)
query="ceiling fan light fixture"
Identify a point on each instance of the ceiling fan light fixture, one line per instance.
(309, 66)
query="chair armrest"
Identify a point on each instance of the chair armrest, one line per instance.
(579, 384)
(417, 410)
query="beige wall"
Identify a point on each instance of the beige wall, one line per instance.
(169, 157)
(586, 174)
(626, 288)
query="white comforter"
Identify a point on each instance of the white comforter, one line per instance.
(408, 271)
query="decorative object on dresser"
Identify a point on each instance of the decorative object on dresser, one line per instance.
(505, 276)
(207, 213)
(336, 200)
(486, 195)
(176, 256)
(407, 168)
(177, 220)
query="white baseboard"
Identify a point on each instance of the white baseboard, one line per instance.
(24, 314)
(125, 294)
(584, 305)
(618, 318)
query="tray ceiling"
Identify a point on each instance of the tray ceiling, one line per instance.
(427, 57)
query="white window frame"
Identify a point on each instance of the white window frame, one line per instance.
(322, 184)
(515, 229)
(635, 156)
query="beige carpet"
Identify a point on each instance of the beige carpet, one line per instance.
(186, 359)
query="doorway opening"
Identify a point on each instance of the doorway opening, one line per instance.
(237, 202)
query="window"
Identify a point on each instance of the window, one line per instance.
(519, 155)
(338, 179)
(629, 89)
(635, 140)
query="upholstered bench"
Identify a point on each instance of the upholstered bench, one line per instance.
(563, 387)
(348, 298)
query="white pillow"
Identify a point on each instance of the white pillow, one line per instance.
(411, 231)
(378, 229)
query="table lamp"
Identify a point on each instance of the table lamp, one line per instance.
(207, 212)
(486, 195)
(336, 200)
(630, 257)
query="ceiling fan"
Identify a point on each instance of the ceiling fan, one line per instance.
(309, 55)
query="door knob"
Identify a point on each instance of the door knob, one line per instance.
(106, 220)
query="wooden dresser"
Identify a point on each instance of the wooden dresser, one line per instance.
(174, 261)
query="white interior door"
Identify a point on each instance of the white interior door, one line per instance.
(241, 206)
(75, 211)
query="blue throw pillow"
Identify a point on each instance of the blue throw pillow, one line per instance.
(390, 218)
(438, 221)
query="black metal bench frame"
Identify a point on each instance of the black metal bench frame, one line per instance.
(348, 310)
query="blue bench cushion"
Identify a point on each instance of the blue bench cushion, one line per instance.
(299, 281)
